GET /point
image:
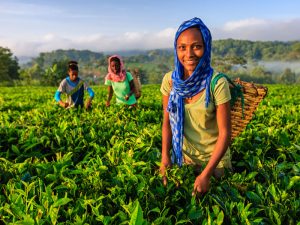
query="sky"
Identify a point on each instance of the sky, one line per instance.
(34, 26)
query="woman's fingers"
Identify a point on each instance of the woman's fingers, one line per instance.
(198, 192)
(197, 189)
(164, 180)
(162, 171)
(201, 185)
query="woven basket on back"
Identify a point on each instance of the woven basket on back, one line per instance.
(240, 117)
(137, 85)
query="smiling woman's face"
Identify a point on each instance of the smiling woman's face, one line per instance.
(190, 49)
(115, 66)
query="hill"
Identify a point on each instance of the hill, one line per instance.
(235, 57)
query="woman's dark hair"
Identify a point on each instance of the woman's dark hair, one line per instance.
(73, 65)
(115, 59)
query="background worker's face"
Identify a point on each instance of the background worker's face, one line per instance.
(190, 49)
(73, 74)
(115, 67)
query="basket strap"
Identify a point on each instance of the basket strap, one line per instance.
(236, 91)
(215, 79)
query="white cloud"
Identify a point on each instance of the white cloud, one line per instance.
(49, 37)
(257, 29)
(236, 25)
(249, 29)
(168, 32)
(95, 42)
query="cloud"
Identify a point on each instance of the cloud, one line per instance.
(95, 42)
(236, 25)
(260, 29)
(248, 29)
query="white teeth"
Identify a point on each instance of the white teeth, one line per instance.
(190, 62)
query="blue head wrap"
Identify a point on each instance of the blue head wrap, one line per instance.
(181, 89)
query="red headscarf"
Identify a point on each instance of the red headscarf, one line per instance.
(116, 77)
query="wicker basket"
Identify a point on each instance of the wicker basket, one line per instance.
(253, 95)
(137, 86)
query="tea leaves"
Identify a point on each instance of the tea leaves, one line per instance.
(101, 166)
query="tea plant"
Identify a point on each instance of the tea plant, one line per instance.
(62, 166)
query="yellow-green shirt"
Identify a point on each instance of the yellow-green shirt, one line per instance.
(200, 123)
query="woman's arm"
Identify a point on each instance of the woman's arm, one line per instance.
(58, 99)
(89, 101)
(109, 95)
(224, 125)
(166, 140)
(131, 91)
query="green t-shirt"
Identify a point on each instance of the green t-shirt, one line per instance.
(121, 89)
(200, 123)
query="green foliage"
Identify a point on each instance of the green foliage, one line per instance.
(8, 66)
(31, 75)
(62, 166)
(256, 50)
(288, 77)
(53, 75)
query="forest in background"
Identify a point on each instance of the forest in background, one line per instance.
(237, 58)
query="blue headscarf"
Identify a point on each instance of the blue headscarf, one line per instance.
(181, 89)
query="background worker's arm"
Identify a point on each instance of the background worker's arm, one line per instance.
(91, 94)
(58, 99)
(109, 95)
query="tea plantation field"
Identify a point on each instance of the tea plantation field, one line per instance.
(62, 166)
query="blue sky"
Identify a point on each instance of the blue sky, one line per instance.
(33, 26)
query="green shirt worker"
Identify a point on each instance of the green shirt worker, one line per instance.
(119, 82)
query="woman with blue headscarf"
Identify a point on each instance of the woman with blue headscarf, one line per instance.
(196, 124)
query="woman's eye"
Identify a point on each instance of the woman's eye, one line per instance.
(181, 47)
(198, 47)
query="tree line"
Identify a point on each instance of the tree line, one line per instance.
(229, 56)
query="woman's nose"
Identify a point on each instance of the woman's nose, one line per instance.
(190, 51)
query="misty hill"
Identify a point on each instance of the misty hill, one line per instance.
(227, 56)
(258, 50)
(250, 50)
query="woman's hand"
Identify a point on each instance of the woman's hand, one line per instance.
(126, 97)
(165, 163)
(63, 104)
(107, 104)
(201, 185)
(88, 104)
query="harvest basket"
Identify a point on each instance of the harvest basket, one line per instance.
(241, 114)
(137, 85)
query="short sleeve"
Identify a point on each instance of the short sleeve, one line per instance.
(62, 86)
(166, 84)
(129, 76)
(222, 91)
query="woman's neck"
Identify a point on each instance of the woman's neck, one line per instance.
(186, 75)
